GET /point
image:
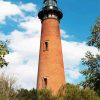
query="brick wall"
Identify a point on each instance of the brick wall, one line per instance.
(51, 65)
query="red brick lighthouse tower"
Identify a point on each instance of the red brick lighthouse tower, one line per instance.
(51, 67)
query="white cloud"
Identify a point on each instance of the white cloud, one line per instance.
(29, 7)
(73, 52)
(25, 44)
(32, 25)
(23, 60)
(64, 34)
(2, 36)
(8, 9)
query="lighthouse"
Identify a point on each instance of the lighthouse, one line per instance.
(50, 67)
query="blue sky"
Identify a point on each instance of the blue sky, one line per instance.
(20, 25)
(79, 16)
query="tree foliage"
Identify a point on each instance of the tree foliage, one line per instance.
(74, 92)
(92, 71)
(94, 39)
(3, 51)
(45, 95)
(24, 94)
(66, 92)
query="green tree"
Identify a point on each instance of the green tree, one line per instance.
(92, 62)
(66, 92)
(24, 94)
(94, 39)
(45, 95)
(92, 72)
(74, 92)
(34, 94)
(3, 51)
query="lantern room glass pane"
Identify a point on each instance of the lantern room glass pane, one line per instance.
(50, 3)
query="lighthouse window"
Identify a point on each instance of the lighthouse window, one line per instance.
(45, 82)
(54, 3)
(45, 46)
(50, 3)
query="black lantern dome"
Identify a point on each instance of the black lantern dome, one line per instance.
(50, 10)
